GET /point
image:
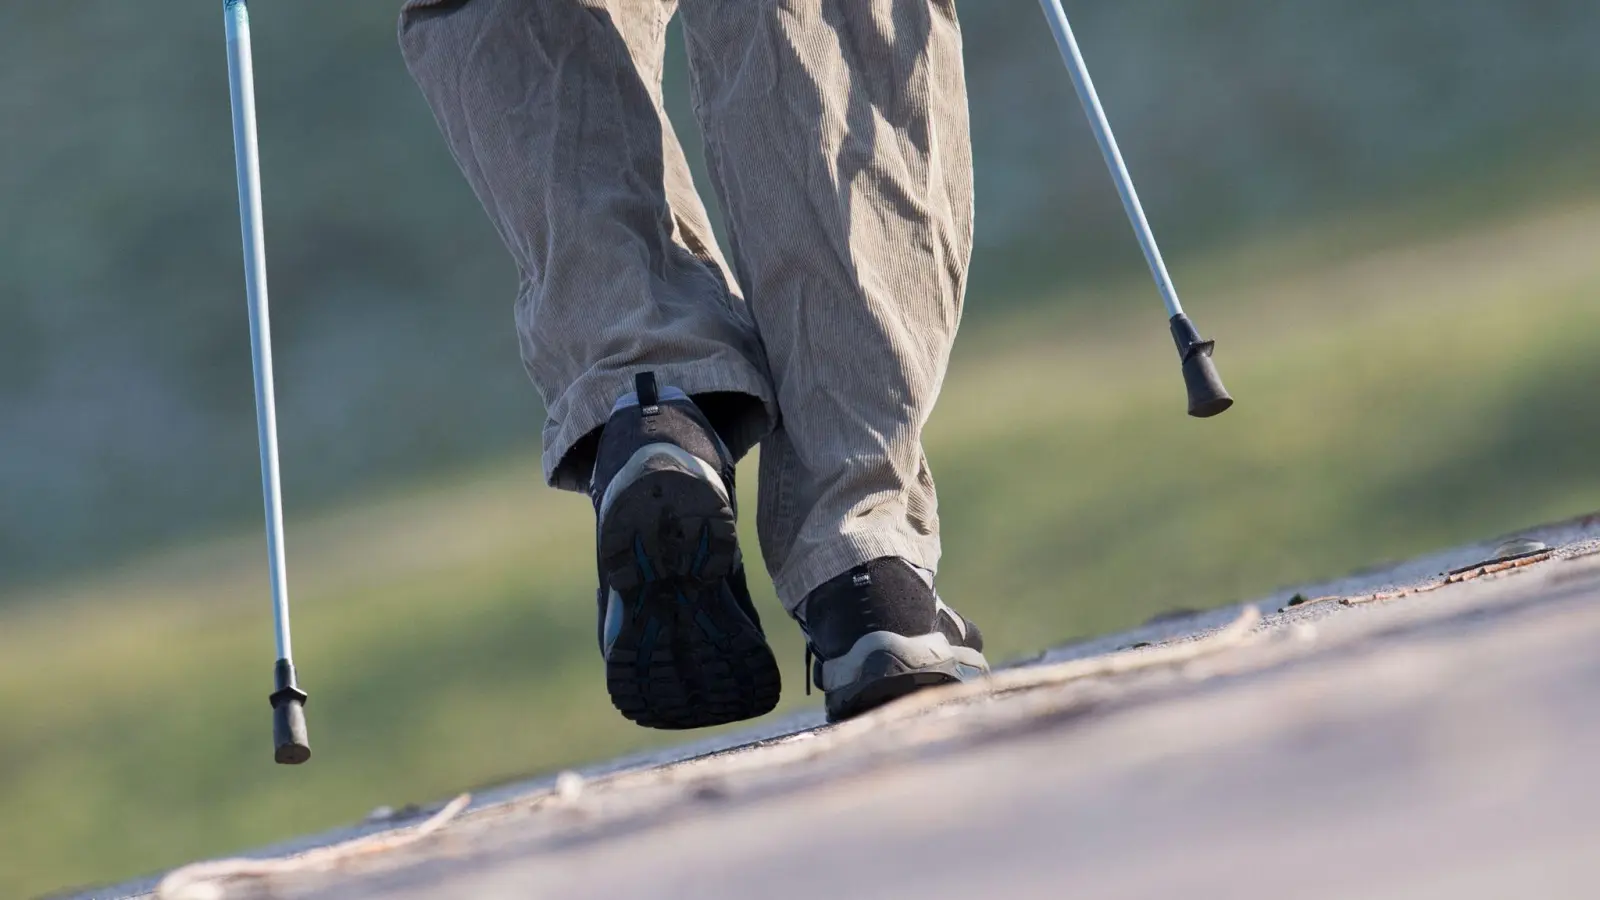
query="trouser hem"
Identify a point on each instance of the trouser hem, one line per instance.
(585, 407)
(824, 563)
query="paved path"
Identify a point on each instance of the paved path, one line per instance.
(1440, 743)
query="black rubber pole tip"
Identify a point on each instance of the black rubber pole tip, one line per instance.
(1207, 396)
(291, 745)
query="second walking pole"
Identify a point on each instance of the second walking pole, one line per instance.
(1207, 396)
(291, 746)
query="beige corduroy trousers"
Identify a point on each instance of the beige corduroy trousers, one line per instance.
(837, 139)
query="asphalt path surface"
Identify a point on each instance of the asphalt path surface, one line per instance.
(1406, 733)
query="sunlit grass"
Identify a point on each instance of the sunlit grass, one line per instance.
(1389, 404)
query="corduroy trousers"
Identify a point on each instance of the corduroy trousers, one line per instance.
(836, 136)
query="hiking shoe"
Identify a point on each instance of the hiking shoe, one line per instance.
(682, 642)
(879, 632)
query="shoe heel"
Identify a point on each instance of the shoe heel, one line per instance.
(668, 525)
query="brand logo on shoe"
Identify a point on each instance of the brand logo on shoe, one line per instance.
(862, 580)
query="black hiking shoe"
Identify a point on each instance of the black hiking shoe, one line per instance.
(682, 642)
(879, 632)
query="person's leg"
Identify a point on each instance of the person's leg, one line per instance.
(630, 329)
(552, 108)
(837, 136)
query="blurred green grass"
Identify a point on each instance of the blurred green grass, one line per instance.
(1393, 400)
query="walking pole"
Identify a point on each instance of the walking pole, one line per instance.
(291, 746)
(1207, 396)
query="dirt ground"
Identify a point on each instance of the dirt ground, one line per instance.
(1404, 733)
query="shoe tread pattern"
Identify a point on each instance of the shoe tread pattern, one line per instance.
(686, 655)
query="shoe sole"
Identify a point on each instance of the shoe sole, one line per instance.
(685, 654)
(883, 667)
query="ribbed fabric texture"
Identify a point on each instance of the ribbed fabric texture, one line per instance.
(837, 138)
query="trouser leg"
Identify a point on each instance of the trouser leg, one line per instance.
(837, 136)
(553, 110)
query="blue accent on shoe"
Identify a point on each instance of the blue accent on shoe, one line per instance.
(646, 571)
(701, 553)
(647, 647)
(613, 626)
(708, 627)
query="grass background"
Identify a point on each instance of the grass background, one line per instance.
(1385, 211)
(125, 401)
(1408, 379)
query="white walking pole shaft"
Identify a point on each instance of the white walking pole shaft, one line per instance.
(241, 82)
(1108, 148)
